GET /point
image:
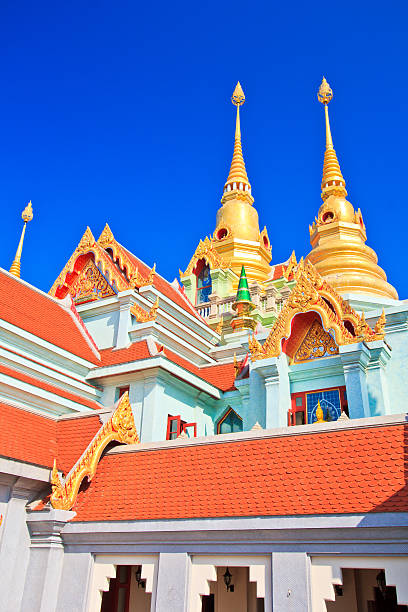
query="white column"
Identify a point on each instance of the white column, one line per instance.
(172, 582)
(46, 559)
(15, 540)
(125, 302)
(291, 582)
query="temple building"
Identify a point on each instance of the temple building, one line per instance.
(233, 441)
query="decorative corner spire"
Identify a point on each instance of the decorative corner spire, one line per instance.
(237, 177)
(333, 182)
(27, 216)
(243, 306)
(106, 237)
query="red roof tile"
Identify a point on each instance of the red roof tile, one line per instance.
(221, 376)
(27, 436)
(346, 471)
(134, 352)
(41, 384)
(73, 436)
(41, 315)
(37, 439)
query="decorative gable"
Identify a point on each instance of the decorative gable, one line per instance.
(316, 344)
(98, 269)
(206, 251)
(90, 285)
(312, 293)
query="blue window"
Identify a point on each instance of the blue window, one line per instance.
(204, 284)
(231, 422)
(329, 402)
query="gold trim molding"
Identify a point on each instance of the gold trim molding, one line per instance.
(121, 428)
(144, 316)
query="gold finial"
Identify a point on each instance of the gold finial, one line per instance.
(325, 93)
(238, 178)
(333, 182)
(238, 97)
(27, 216)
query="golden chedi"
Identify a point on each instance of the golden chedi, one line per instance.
(338, 234)
(237, 237)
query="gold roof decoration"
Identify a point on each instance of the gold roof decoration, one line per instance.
(144, 316)
(102, 260)
(27, 216)
(292, 263)
(113, 260)
(121, 428)
(237, 177)
(312, 293)
(205, 250)
(333, 182)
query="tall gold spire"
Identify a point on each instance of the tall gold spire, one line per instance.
(333, 182)
(338, 234)
(27, 216)
(237, 177)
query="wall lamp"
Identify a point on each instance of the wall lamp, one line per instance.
(138, 576)
(227, 579)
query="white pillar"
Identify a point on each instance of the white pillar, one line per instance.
(46, 559)
(172, 582)
(291, 582)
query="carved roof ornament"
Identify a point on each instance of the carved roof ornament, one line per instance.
(121, 428)
(312, 293)
(91, 285)
(144, 316)
(106, 238)
(205, 250)
(292, 263)
(138, 280)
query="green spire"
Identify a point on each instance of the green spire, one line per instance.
(243, 294)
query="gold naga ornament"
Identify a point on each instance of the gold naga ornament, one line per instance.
(121, 428)
(312, 293)
(338, 234)
(145, 316)
(27, 216)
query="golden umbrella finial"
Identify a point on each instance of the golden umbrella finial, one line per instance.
(237, 174)
(238, 97)
(332, 181)
(27, 216)
(325, 93)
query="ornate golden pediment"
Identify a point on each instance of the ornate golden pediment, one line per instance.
(115, 263)
(312, 293)
(90, 285)
(120, 427)
(316, 344)
(206, 251)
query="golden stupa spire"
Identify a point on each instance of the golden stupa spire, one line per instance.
(333, 182)
(237, 177)
(27, 216)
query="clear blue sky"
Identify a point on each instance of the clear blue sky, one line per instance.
(120, 112)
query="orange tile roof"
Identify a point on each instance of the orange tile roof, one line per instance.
(337, 472)
(41, 384)
(27, 436)
(220, 375)
(73, 436)
(34, 438)
(134, 352)
(41, 315)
